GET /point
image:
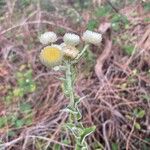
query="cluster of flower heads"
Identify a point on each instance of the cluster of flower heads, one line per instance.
(54, 54)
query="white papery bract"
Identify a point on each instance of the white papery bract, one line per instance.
(92, 37)
(48, 37)
(71, 39)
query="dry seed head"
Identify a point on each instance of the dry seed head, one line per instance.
(69, 51)
(92, 37)
(71, 39)
(51, 55)
(48, 37)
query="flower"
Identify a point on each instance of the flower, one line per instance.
(71, 39)
(48, 37)
(92, 37)
(69, 51)
(51, 55)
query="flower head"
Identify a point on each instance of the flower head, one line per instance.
(51, 55)
(48, 37)
(92, 37)
(69, 51)
(71, 39)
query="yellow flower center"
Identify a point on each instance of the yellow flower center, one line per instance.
(51, 55)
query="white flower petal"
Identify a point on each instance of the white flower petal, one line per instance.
(92, 37)
(71, 39)
(48, 37)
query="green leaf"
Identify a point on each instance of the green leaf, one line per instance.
(86, 132)
(11, 134)
(103, 11)
(147, 20)
(3, 121)
(147, 6)
(19, 123)
(92, 24)
(137, 126)
(70, 110)
(116, 26)
(128, 49)
(57, 147)
(114, 146)
(139, 113)
(28, 121)
(25, 107)
(75, 130)
(146, 97)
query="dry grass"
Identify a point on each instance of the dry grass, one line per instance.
(110, 98)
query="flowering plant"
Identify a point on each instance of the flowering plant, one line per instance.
(64, 57)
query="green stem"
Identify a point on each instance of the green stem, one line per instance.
(80, 54)
(70, 83)
(74, 120)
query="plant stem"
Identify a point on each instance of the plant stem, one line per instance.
(70, 83)
(74, 124)
(80, 54)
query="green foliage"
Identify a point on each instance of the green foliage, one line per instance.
(82, 4)
(114, 146)
(3, 121)
(80, 133)
(15, 120)
(128, 49)
(139, 113)
(23, 3)
(74, 15)
(144, 145)
(85, 132)
(103, 11)
(57, 147)
(97, 145)
(25, 108)
(2, 4)
(23, 115)
(147, 6)
(25, 84)
(74, 125)
(146, 97)
(47, 5)
(147, 20)
(92, 24)
(61, 31)
(119, 21)
(137, 125)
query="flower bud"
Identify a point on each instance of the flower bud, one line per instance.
(48, 37)
(92, 37)
(71, 39)
(69, 51)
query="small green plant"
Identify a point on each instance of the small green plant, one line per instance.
(103, 11)
(147, 6)
(25, 85)
(128, 49)
(23, 116)
(92, 24)
(64, 57)
(137, 114)
(15, 120)
(119, 21)
(2, 4)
